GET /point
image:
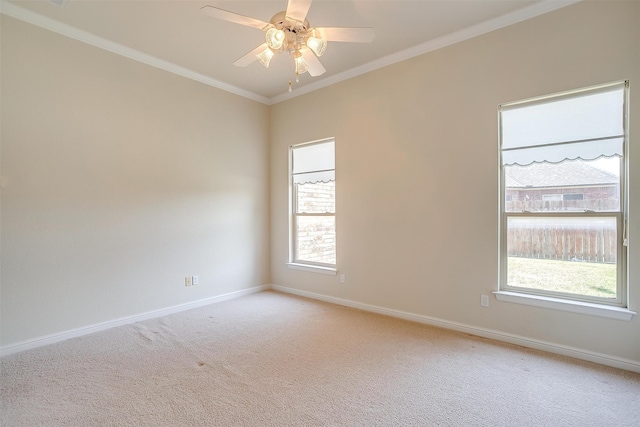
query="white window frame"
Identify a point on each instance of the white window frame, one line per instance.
(295, 263)
(584, 304)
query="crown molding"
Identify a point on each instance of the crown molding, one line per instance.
(485, 27)
(36, 19)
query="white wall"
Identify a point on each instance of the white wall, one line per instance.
(417, 172)
(120, 180)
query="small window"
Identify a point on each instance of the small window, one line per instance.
(573, 197)
(313, 204)
(563, 229)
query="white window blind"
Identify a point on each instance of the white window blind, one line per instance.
(585, 126)
(314, 163)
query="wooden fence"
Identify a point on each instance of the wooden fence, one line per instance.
(578, 243)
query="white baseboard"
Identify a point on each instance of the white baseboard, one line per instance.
(602, 359)
(54, 338)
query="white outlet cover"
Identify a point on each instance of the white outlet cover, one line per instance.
(195, 280)
(484, 300)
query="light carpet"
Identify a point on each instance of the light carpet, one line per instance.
(272, 359)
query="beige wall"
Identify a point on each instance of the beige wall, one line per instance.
(120, 180)
(417, 172)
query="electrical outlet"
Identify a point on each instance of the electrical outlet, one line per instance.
(343, 278)
(195, 280)
(484, 300)
(187, 281)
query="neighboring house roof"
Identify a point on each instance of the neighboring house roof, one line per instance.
(565, 174)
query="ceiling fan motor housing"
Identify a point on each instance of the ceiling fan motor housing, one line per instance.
(296, 32)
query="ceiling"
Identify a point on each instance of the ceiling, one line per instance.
(175, 35)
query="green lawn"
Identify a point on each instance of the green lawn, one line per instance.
(563, 276)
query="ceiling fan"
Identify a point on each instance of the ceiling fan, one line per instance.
(289, 31)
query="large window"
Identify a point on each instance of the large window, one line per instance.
(313, 205)
(563, 203)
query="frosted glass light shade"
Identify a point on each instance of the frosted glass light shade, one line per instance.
(317, 45)
(265, 57)
(301, 65)
(274, 38)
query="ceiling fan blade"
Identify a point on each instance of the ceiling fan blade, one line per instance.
(343, 34)
(225, 15)
(250, 57)
(315, 67)
(297, 9)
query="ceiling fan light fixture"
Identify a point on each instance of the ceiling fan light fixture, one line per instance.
(317, 45)
(265, 57)
(289, 31)
(301, 64)
(274, 38)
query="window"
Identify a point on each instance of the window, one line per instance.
(563, 209)
(313, 206)
(575, 196)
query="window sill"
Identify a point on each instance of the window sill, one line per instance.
(592, 309)
(313, 268)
